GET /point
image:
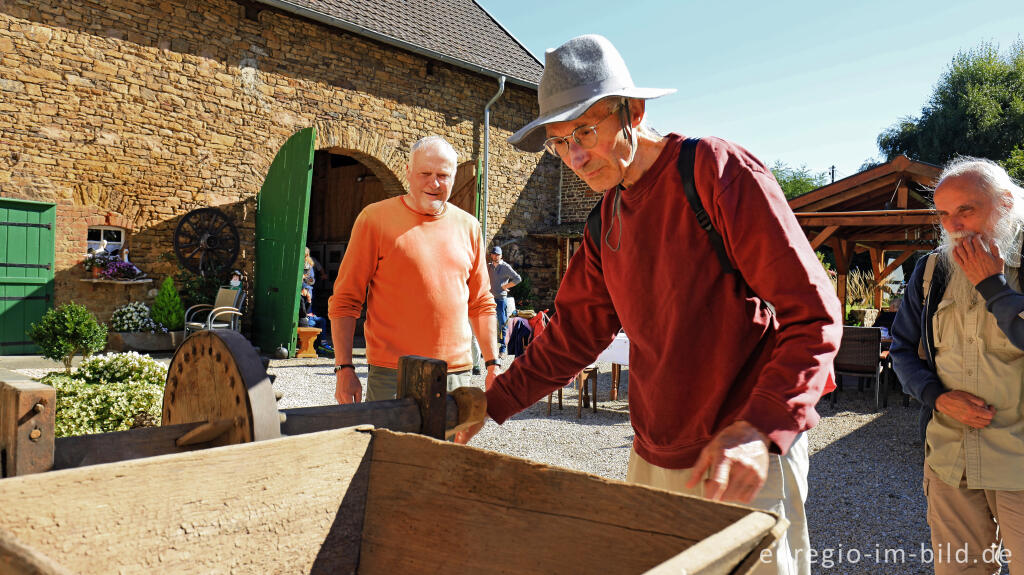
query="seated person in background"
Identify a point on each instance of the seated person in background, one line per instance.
(309, 319)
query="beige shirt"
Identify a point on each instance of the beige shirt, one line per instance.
(972, 354)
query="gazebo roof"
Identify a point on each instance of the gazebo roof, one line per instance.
(882, 209)
(885, 208)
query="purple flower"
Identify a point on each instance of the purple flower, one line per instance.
(117, 269)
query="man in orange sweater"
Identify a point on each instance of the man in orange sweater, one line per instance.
(418, 262)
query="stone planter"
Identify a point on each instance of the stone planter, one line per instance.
(865, 317)
(141, 341)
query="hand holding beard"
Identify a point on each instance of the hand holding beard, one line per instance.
(979, 257)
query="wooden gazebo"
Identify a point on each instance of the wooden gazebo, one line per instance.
(882, 209)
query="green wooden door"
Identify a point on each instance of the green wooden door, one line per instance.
(26, 270)
(282, 212)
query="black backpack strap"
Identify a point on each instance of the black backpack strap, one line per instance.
(685, 164)
(594, 224)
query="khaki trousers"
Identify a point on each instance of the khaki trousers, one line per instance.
(784, 493)
(965, 533)
(382, 382)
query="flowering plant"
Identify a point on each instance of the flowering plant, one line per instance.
(111, 392)
(99, 260)
(134, 316)
(117, 269)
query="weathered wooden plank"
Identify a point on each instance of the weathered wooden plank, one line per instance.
(26, 427)
(289, 505)
(425, 380)
(93, 449)
(18, 559)
(401, 415)
(720, 553)
(494, 513)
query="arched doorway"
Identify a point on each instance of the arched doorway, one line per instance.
(344, 182)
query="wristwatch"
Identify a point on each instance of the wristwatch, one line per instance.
(490, 362)
(342, 366)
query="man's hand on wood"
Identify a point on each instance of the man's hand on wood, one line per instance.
(736, 462)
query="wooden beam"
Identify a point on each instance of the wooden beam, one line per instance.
(26, 427)
(901, 196)
(855, 180)
(895, 264)
(848, 194)
(425, 380)
(901, 237)
(822, 236)
(876, 269)
(870, 218)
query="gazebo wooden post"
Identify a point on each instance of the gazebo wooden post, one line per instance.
(877, 263)
(842, 252)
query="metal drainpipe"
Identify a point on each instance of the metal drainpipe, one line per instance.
(487, 150)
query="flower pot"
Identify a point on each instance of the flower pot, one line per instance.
(95, 272)
(142, 341)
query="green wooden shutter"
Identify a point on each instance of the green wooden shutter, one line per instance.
(282, 213)
(27, 231)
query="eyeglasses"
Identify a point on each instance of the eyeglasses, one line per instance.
(584, 136)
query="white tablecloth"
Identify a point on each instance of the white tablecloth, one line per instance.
(618, 351)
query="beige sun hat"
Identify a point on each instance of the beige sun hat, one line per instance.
(576, 75)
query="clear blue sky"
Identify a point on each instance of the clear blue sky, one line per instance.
(806, 83)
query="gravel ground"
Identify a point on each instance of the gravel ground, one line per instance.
(865, 499)
(865, 506)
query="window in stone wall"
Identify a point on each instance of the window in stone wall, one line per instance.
(115, 238)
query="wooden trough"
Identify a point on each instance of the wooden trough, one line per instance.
(351, 500)
(368, 502)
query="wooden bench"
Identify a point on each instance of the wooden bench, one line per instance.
(307, 341)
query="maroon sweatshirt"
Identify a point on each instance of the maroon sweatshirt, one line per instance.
(704, 349)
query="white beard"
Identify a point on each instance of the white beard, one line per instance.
(1006, 233)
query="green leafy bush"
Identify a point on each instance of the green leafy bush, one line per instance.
(522, 292)
(111, 392)
(134, 316)
(67, 331)
(167, 309)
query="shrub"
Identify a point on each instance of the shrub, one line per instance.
(134, 316)
(112, 392)
(167, 309)
(67, 331)
(522, 292)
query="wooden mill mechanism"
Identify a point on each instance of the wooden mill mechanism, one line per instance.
(218, 393)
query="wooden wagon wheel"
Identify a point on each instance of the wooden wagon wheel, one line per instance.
(206, 240)
(216, 376)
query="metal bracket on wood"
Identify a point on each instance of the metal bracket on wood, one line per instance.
(425, 380)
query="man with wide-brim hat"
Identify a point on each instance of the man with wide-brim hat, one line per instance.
(722, 384)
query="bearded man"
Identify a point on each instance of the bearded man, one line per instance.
(964, 363)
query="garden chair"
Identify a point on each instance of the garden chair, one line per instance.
(224, 313)
(860, 355)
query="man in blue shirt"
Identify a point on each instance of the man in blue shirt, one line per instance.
(502, 278)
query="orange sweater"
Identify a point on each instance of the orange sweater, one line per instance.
(422, 278)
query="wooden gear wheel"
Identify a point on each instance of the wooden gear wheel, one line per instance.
(206, 240)
(216, 376)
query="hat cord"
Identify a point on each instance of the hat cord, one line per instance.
(630, 134)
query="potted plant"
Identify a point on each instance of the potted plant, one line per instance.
(94, 263)
(134, 328)
(116, 269)
(169, 312)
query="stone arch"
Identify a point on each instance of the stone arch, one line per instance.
(371, 149)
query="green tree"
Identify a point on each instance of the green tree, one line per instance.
(977, 109)
(797, 181)
(67, 331)
(167, 308)
(1015, 165)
